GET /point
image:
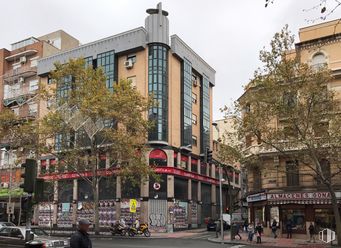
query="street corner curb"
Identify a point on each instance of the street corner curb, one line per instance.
(213, 240)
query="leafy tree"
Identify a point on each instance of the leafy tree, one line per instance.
(289, 109)
(90, 120)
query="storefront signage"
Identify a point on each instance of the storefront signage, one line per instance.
(161, 170)
(186, 174)
(299, 196)
(256, 197)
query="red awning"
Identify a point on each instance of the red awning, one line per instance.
(158, 154)
(194, 161)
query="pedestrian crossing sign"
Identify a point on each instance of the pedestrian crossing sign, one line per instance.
(132, 205)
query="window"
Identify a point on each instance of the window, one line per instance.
(34, 61)
(205, 113)
(158, 86)
(325, 168)
(186, 102)
(194, 98)
(247, 108)
(194, 119)
(64, 88)
(34, 85)
(297, 218)
(194, 140)
(257, 179)
(16, 66)
(88, 61)
(33, 108)
(106, 61)
(132, 57)
(194, 80)
(292, 171)
(132, 81)
(318, 61)
(49, 80)
(158, 157)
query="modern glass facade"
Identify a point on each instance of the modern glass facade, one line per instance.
(107, 62)
(186, 103)
(205, 114)
(158, 87)
(64, 88)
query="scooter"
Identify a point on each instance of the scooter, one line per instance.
(118, 228)
(142, 230)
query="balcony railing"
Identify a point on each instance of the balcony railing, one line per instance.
(24, 71)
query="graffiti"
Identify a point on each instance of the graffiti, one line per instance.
(157, 220)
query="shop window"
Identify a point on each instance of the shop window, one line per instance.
(157, 157)
(297, 218)
(180, 189)
(324, 218)
(107, 188)
(203, 168)
(194, 190)
(43, 164)
(65, 190)
(257, 179)
(292, 172)
(85, 192)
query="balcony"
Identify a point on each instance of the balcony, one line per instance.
(15, 74)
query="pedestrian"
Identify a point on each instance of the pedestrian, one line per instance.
(312, 232)
(250, 231)
(80, 239)
(236, 228)
(217, 228)
(289, 229)
(274, 228)
(258, 231)
(245, 225)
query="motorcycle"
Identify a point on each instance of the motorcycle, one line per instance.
(141, 230)
(118, 228)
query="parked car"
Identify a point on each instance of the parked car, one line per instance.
(2, 224)
(14, 236)
(211, 225)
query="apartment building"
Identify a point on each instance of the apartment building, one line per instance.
(19, 85)
(182, 82)
(290, 192)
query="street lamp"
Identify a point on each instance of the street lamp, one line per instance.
(221, 180)
(9, 185)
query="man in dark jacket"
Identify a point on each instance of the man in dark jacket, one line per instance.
(80, 239)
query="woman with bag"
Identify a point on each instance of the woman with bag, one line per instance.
(274, 228)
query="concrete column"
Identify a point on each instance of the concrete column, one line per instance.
(189, 209)
(144, 204)
(213, 170)
(178, 160)
(199, 166)
(74, 202)
(189, 163)
(208, 170)
(107, 160)
(55, 205)
(214, 200)
(118, 196)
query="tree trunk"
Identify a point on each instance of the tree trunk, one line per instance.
(337, 215)
(96, 207)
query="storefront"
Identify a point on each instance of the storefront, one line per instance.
(300, 208)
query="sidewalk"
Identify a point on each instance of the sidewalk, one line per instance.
(270, 242)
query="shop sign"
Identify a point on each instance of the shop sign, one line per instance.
(256, 197)
(299, 196)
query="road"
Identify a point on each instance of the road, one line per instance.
(197, 241)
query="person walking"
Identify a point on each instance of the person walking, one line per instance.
(289, 229)
(312, 232)
(236, 227)
(80, 239)
(250, 231)
(274, 228)
(258, 231)
(246, 224)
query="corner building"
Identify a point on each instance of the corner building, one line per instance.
(181, 81)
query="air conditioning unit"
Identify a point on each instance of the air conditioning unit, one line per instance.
(21, 80)
(128, 64)
(23, 60)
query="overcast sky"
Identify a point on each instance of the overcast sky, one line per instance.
(227, 34)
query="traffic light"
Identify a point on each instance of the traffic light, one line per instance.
(208, 155)
(39, 190)
(29, 175)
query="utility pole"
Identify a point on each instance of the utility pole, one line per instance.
(221, 204)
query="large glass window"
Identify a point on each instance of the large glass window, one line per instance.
(107, 62)
(297, 218)
(205, 114)
(158, 87)
(64, 88)
(187, 103)
(324, 218)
